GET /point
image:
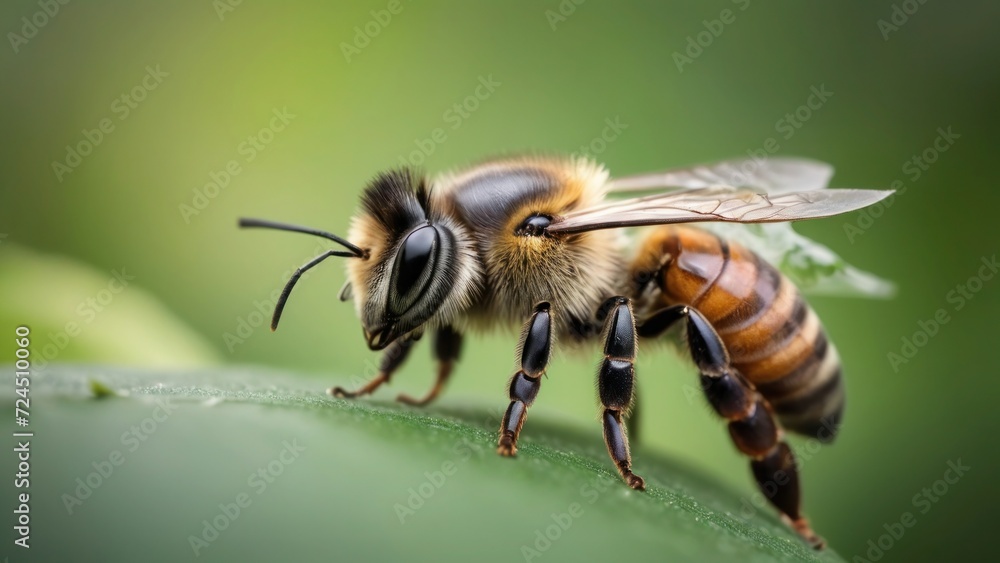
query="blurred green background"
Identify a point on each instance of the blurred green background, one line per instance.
(200, 79)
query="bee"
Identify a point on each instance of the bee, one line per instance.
(537, 242)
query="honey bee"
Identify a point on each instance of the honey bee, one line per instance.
(538, 242)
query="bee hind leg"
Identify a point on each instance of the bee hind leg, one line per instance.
(616, 382)
(752, 425)
(536, 347)
(393, 357)
(447, 347)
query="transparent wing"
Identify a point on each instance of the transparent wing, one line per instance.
(722, 203)
(772, 175)
(814, 268)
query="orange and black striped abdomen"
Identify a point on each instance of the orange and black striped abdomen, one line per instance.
(773, 337)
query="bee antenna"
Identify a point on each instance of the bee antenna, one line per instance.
(280, 306)
(355, 252)
(261, 223)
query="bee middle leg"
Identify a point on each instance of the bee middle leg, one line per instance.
(616, 382)
(393, 357)
(752, 425)
(447, 347)
(536, 348)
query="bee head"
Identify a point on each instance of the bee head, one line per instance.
(408, 265)
(414, 265)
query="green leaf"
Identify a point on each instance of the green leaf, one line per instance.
(168, 458)
(812, 266)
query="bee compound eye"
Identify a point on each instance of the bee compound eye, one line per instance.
(534, 226)
(413, 268)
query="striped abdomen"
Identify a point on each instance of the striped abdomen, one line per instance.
(773, 337)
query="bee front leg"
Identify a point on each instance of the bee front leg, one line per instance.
(616, 382)
(393, 357)
(536, 347)
(447, 347)
(752, 425)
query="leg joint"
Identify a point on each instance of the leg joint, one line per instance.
(524, 388)
(728, 395)
(757, 434)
